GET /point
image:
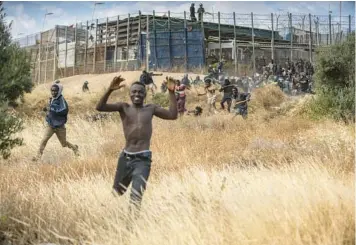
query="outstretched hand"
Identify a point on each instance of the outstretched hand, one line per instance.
(115, 83)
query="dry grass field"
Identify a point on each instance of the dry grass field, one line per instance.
(275, 178)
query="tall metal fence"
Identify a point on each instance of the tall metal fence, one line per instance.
(174, 41)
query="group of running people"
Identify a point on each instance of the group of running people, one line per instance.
(236, 100)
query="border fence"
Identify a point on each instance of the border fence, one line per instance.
(174, 41)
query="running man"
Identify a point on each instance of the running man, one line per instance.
(227, 89)
(239, 103)
(134, 163)
(57, 112)
(210, 91)
(181, 97)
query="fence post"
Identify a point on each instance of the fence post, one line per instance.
(272, 40)
(291, 37)
(66, 51)
(46, 64)
(116, 40)
(319, 35)
(96, 35)
(303, 28)
(40, 59)
(349, 24)
(330, 29)
(106, 42)
(55, 54)
(235, 44)
(310, 40)
(253, 46)
(154, 39)
(317, 32)
(127, 41)
(148, 44)
(219, 29)
(185, 43)
(75, 47)
(139, 38)
(169, 39)
(86, 47)
(203, 37)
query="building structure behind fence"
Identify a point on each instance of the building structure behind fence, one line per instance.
(174, 42)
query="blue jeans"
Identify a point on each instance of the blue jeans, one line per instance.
(133, 168)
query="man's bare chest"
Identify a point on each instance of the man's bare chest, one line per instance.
(138, 116)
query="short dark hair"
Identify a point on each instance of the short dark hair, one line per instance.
(138, 83)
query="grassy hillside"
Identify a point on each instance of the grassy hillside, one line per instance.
(276, 178)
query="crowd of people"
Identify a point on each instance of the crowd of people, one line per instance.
(291, 77)
(134, 162)
(236, 101)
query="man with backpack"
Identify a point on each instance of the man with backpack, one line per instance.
(147, 80)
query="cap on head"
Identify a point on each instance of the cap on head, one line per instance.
(57, 81)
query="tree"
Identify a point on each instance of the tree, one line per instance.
(15, 80)
(335, 67)
(335, 81)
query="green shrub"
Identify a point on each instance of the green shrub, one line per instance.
(15, 80)
(335, 82)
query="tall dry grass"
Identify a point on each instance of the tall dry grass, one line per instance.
(214, 180)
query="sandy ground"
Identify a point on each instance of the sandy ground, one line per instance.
(97, 82)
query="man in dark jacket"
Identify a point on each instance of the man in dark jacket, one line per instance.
(239, 103)
(192, 13)
(147, 80)
(56, 119)
(201, 11)
(227, 90)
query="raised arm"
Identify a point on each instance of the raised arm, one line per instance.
(103, 105)
(248, 97)
(172, 113)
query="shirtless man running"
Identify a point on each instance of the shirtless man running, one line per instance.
(134, 163)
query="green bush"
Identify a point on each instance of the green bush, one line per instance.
(9, 125)
(335, 82)
(15, 80)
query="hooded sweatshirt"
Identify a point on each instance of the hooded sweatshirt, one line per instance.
(58, 109)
